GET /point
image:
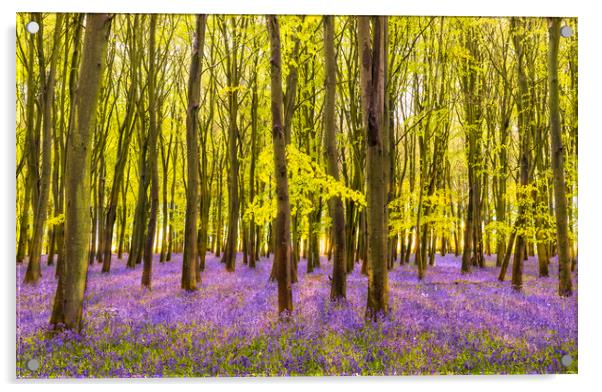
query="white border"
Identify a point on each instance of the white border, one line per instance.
(344, 7)
(590, 189)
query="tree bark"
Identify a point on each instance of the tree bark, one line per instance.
(189, 281)
(151, 162)
(565, 288)
(339, 275)
(372, 53)
(282, 226)
(524, 126)
(233, 80)
(47, 82)
(69, 297)
(125, 137)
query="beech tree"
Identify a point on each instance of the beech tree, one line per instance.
(282, 248)
(330, 149)
(47, 81)
(151, 168)
(565, 283)
(373, 54)
(524, 123)
(69, 297)
(189, 281)
(126, 130)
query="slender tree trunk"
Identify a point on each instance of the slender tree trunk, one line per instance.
(125, 137)
(100, 207)
(151, 163)
(189, 281)
(28, 152)
(500, 209)
(339, 275)
(24, 225)
(137, 243)
(69, 297)
(172, 205)
(47, 81)
(252, 226)
(233, 79)
(78, 20)
(282, 226)
(124, 214)
(373, 56)
(165, 206)
(93, 217)
(565, 288)
(472, 87)
(219, 218)
(507, 255)
(204, 212)
(524, 122)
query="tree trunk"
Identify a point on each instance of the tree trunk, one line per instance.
(507, 255)
(28, 152)
(24, 225)
(151, 162)
(125, 136)
(339, 275)
(189, 281)
(565, 288)
(252, 226)
(165, 157)
(524, 125)
(69, 297)
(172, 205)
(282, 226)
(373, 57)
(47, 81)
(233, 80)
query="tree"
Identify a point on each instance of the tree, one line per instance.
(524, 107)
(142, 204)
(189, 263)
(125, 136)
(28, 152)
(472, 87)
(562, 239)
(372, 52)
(233, 66)
(151, 166)
(282, 247)
(47, 81)
(330, 150)
(69, 297)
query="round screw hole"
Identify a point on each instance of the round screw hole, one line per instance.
(566, 360)
(32, 27)
(33, 365)
(566, 31)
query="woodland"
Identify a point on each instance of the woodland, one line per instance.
(235, 195)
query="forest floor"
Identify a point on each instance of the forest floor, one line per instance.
(447, 324)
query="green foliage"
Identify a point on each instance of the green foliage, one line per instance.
(402, 212)
(498, 228)
(539, 222)
(307, 182)
(56, 220)
(431, 60)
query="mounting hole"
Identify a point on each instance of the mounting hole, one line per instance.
(32, 27)
(566, 360)
(566, 31)
(33, 365)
